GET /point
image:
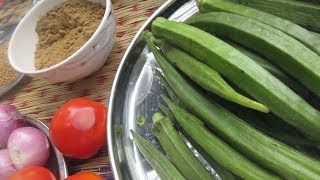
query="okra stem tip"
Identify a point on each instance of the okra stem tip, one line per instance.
(166, 99)
(157, 116)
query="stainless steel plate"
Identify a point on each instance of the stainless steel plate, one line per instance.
(136, 90)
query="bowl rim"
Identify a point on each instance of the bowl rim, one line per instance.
(106, 15)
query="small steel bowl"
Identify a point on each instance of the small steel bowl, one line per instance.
(56, 163)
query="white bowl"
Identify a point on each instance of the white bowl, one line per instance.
(88, 59)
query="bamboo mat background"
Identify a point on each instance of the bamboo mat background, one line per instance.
(41, 99)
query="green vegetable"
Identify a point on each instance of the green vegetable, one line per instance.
(243, 72)
(310, 1)
(141, 120)
(272, 128)
(302, 13)
(178, 152)
(294, 30)
(216, 148)
(281, 49)
(164, 168)
(274, 70)
(264, 150)
(166, 111)
(221, 171)
(206, 77)
(316, 34)
(157, 116)
(171, 93)
(270, 125)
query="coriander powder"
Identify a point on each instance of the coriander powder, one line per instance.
(64, 30)
(8, 74)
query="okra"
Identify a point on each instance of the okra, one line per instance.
(179, 153)
(220, 170)
(206, 77)
(242, 71)
(302, 13)
(265, 151)
(274, 70)
(289, 54)
(292, 29)
(159, 162)
(217, 148)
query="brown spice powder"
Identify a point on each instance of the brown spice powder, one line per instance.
(64, 29)
(8, 74)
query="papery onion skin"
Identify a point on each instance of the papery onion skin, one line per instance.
(28, 146)
(6, 166)
(10, 119)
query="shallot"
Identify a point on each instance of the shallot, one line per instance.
(28, 146)
(6, 166)
(10, 119)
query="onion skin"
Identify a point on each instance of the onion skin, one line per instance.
(10, 119)
(28, 146)
(6, 166)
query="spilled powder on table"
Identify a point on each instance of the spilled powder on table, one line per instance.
(8, 74)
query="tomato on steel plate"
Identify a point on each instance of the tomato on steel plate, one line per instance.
(32, 173)
(78, 128)
(85, 176)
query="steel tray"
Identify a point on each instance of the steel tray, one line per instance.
(136, 90)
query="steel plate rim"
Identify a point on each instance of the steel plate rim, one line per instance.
(115, 168)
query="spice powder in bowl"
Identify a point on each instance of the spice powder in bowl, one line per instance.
(7, 73)
(64, 30)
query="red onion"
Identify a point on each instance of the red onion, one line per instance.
(10, 119)
(6, 166)
(28, 146)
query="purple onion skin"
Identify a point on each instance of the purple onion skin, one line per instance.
(6, 166)
(28, 146)
(10, 119)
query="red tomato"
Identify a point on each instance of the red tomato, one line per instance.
(85, 176)
(32, 173)
(78, 128)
